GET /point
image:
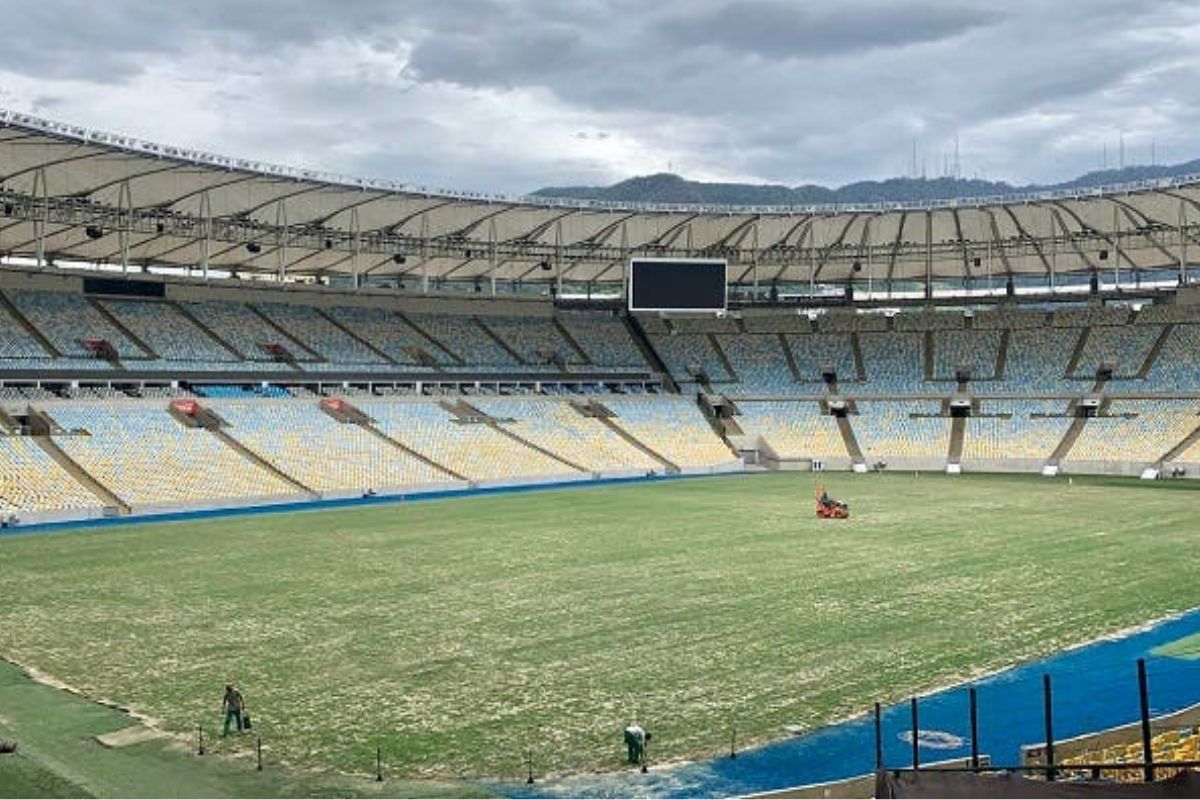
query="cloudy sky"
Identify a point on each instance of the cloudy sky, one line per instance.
(510, 96)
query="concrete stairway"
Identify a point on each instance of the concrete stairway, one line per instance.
(286, 339)
(116, 323)
(216, 337)
(1152, 356)
(348, 414)
(1002, 355)
(612, 422)
(859, 364)
(726, 364)
(248, 454)
(459, 360)
(958, 430)
(1067, 442)
(464, 408)
(570, 340)
(372, 348)
(850, 440)
(495, 337)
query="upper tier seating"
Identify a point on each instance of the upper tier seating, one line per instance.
(389, 333)
(167, 332)
(886, 429)
(682, 351)
(814, 352)
(1038, 360)
(532, 338)
(15, 341)
(244, 329)
(465, 338)
(146, 457)
(1123, 347)
(475, 450)
(794, 429)
(304, 442)
(974, 350)
(1177, 367)
(30, 481)
(604, 338)
(308, 326)
(893, 363)
(1020, 435)
(559, 428)
(759, 361)
(673, 427)
(66, 318)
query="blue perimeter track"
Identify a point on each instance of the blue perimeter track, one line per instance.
(1094, 687)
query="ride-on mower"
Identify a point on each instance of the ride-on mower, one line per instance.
(828, 508)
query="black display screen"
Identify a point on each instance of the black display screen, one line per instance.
(676, 285)
(120, 286)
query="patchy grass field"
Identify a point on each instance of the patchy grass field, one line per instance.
(456, 633)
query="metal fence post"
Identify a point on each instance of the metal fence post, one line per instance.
(878, 738)
(1051, 773)
(916, 745)
(1147, 745)
(974, 713)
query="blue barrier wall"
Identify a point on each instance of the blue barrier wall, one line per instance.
(351, 502)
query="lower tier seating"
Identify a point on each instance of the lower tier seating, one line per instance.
(673, 427)
(31, 481)
(146, 457)
(473, 449)
(300, 439)
(794, 429)
(1135, 430)
(888, 429)
(1008, 429)
(556, 426)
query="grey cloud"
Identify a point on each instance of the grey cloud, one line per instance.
(784, 92)
(774, 29)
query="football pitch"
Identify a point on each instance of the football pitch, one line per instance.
(455, 634)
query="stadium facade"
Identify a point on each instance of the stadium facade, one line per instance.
(181, 330)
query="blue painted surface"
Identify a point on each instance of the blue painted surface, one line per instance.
(1094, 687)
(347, 502)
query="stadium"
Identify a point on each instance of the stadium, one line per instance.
(456, 487)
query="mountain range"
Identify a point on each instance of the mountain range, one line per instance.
(665, 187)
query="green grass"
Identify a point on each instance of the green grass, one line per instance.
(454, 633)
(58, 756)
(1187, 648)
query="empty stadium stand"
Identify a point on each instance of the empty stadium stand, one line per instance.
(489, 394)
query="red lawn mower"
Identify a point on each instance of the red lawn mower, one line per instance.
(828, 508)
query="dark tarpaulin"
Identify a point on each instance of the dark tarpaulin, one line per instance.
(940, 783)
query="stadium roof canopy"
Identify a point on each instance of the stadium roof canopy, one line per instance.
(72, 193)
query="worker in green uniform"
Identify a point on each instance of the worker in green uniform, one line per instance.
(233, 707)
